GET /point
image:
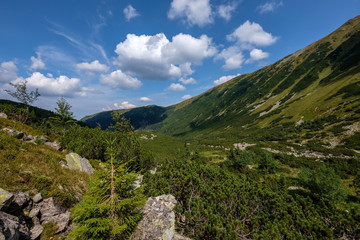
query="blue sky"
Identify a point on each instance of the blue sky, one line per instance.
(111, 54)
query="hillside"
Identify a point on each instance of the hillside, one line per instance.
(317, 85)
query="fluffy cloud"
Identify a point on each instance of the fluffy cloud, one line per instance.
(269, 7)
(95, 66)
(256, 55)
(187, 96)
(124, 105)
(187, 81)
(223, 79)
(176, 87)
(118, 79)
(145, 99)
(246, 37)
(232, 56)
(50, 86)
(37, 63)
(130, 13)
(193, 12)
(8, 71)
(156, 58)
(253, 34)
(185, 48)
(225, 11)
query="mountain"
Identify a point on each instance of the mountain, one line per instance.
(311, 93)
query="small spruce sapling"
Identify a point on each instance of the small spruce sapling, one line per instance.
(111, 207)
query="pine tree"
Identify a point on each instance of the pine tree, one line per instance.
(110, 208)
(64, 116)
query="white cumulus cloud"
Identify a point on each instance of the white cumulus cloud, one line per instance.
(256, 55)
(37, 62)
(232, 56)
(145, 99)
(118, 79)
(50, 86)
(253, 34)
(187, 81)
(157, 58)
(225, 11)
(247, 37)
(223, 79)
(269, 7)
(130, 12)
(187, 96)
(176, 87)
(95, 66)
(193, 12)
(8, 71)
(124, 105)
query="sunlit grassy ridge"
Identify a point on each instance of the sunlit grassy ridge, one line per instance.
(32, 167)
(319, 80)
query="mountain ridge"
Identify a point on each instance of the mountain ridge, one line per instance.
(316, 81)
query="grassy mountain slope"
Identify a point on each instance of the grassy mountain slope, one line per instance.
(319, 83)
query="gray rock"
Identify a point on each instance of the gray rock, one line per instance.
(63, 164)
(22, 199)
(51, 212)
(75, 162)
(49, 208)
(14, 133)
(9, 227)
(3, 115)
(28, 138)
(138, 181)
(6, 198)
(54, 145)
(36, 231)
(35, 212)
(37, 198)
(45, 139)
(158, 219)
(177, 236)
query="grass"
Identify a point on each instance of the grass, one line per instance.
(29, 167)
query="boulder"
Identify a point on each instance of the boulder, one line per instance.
(14, 133)
(35, 212)
(36, 231)
(28, 138)
(9, 227)
(22, 199)
(76, 162)
(37, 198)
(177, 236)
(45, 139)
(54, 145)
(158, 219)
(50, 211)
(6, 198)
(3, 115)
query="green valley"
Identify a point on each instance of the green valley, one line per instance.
(273, 154)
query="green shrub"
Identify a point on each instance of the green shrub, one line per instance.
(268, 163)
(323, 182)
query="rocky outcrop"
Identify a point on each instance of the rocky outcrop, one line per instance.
(29, 138)
(5, 199)
(3, 115)
(9, 227)
(75, 162)
(158, 220)
(24, 217)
